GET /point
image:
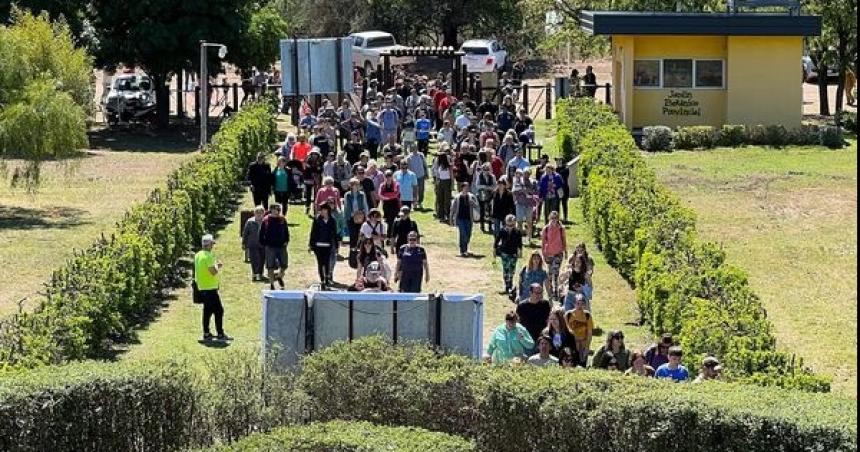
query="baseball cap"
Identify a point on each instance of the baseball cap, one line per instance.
(712, 362)
(405, 209)
(207, 238)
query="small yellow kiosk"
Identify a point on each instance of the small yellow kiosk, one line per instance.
(682, 69)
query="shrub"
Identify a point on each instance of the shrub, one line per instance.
(732, 135)
(695, 137)
(160, 405)
(343, 436)
(576, 116)
(103, 291)
(805, 135)
(657, 138)
(772, 135)
(847, 120)
(831, 136)
(683, 286)
(531, 409)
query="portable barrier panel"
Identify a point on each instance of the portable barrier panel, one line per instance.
(450, 321)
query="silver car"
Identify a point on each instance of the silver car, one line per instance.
(130, 97)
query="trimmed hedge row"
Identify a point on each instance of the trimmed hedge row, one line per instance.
(661, 138)
(538, 409)
(104, 290)
(684, 286)
(340, 436)
(155, 406)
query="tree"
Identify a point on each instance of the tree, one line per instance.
(72, 12)
(163, 36)
(836, 47)
(45, 93)
(260, 45)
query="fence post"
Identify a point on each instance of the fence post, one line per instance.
(235, 96)
(479, 91)
(525, 96)
(364, 90)
(179, 93)
(608, 94)
(197, 104)
(548, 101)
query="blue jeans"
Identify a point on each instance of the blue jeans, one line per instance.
(570, 302)
(465, 228)
(497, 226)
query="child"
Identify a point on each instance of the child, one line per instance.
(407, 136)
(251, 243)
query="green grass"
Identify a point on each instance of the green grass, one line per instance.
(178, 329)
(789, 218)
(75, 202)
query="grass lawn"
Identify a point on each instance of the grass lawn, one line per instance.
(177, 330)
(789, 218)
(76, 201)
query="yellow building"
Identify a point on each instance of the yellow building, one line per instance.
(681, 69)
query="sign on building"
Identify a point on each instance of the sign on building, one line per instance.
(316, 66)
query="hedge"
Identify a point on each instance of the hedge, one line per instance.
(104, 290)
(661, 138)
(683, 285)
(340, 436)
(537, 409)
(153, 406)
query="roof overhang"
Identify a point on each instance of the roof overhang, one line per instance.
(698, 24)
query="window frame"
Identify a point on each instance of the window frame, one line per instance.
(659, 74)
(692, 73)
(695, 85)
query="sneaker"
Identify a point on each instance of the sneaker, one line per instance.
(271, 286)
(208, 336)
(223, 337)
(281, 282)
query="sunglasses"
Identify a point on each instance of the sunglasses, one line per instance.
(618, 336)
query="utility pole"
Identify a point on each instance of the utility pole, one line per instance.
(204, 88)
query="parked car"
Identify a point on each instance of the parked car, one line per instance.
(131, 98)
(368, 46)
(809, 70)
(484, 55)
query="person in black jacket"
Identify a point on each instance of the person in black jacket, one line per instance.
(401, 228)
(260, 177)
(274, 236)
(509, 247)
(323, 242)
(502, 205)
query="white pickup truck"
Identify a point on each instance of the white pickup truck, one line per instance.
(368, 46)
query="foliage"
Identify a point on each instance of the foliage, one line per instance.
(569, 123)
(732, 135)
(848, 121)
(143, 406)
(351, 437)
(260, 46)
(657, 138)
(683, 286)
(831, 136)
(103, 291)
(45, 93)
(696, 137)
(530, 409)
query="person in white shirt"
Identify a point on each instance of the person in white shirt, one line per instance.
(542, 358)
(447, 133)
(462, 122)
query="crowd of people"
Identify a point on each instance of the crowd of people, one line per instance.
(361, 171)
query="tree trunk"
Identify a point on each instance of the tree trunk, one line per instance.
(842, 56)
(824, 104)
(449, 34)
(840, 90)
(162, 100)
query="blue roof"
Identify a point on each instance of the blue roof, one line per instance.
(700, 24)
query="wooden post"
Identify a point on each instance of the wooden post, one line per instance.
(386, 72)
(608, 94)
(197, 104)
(364, 90)
(179, 93)
(479, 91)
(548, 101)
(457, 77)
(235, 96)
(525, 97)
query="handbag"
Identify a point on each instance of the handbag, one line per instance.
(353, 258)
(195, 293)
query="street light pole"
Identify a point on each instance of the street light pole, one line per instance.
(204, 88)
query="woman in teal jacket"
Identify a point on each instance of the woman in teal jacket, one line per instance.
(509, 341)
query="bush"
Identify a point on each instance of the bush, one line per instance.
(657, 138)
(695, 137)
(683, 286)
(831, 136)
(532, 409)
(143, 406)
(575, 116)
(343, 436)
(103, 291)
(805, 135)
(732, 135)
(847, 120)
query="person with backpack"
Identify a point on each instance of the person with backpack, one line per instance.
(533, 272)
(260, 178)
(554, 248)
(374, 228)
(581, 326)
(323, 242)
(251, 243)
(464, 213)
(275, 236)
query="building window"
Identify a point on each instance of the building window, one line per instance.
(709, 74)
(646, 73)
(677, 73)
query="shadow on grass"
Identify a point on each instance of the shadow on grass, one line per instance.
(177, 139)
(15, 217)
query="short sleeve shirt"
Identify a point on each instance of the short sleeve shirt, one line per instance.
(407, 181)
(678, 374)
(412, 259)
(203, 260)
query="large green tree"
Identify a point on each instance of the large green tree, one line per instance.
(163, 36)
(835, 48)
(260, 40)
(45, 93)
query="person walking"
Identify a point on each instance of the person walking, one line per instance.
(355, 210)
(401, 228)
(323, 241)
(260, 177)
(442, 176)
(553, 240)
(581, 326)
(485, 184)
(464, 212)
(508, 246)
(563, 172)
(508, 341)
(251, 243)
(412, 265)
(280, 177)
(524, 201)
(408, 182)
(389, 195)
(550, 191)
(613, 347)
(673, 369)
(207, 278)
(417, 163)
(531, 273)
(501, 205)
(534, 311)
(275, 236)
(589, 81)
